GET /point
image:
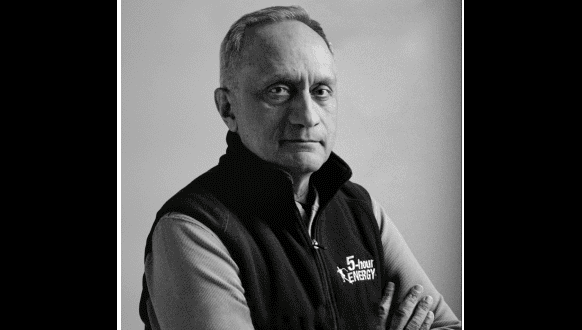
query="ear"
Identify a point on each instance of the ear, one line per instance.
(222, 101)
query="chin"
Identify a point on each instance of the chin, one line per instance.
(303, 162)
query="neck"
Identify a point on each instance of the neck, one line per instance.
(301, 187)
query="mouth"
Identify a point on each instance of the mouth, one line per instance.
(300, 145)
(298, 141)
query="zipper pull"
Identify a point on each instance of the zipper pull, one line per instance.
(316, 245)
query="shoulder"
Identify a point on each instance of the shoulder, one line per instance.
(355, 191)
(199, 200)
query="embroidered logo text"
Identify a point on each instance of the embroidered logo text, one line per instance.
(365, 270)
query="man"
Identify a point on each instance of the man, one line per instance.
(276, 236)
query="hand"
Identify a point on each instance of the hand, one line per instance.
(408, 314)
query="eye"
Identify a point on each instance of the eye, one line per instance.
(279, 93)
(322, 92)
(279, 90)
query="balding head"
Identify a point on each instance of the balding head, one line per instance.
(288, 46)
(235, 40)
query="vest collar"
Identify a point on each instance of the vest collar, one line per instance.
(261, 179)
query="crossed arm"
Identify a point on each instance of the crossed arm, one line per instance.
(174, 277)
(405, 271)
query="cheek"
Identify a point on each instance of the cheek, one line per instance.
(249, 114)
(260, 121)
(330, 122)
(329, 117)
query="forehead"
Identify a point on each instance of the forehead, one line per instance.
(286, 48)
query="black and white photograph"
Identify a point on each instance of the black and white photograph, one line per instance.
(290, 165)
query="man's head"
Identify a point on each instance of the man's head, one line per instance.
(278, 88)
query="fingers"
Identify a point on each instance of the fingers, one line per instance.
(420, 314)
(406, 308)
(428, 321)
(385, 306)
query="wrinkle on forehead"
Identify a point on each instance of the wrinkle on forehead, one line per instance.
(287, 47)
(283, 35)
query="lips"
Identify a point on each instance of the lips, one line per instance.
(300, 144)
(298, 141)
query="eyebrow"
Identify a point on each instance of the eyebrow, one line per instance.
(285, 79)
(279, 77)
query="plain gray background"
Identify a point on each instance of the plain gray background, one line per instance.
(399, 123)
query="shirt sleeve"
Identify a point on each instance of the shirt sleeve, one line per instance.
(192, 280)
(404, 270)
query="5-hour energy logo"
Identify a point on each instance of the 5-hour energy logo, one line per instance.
(365, 270)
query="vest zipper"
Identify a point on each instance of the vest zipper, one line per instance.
(316, 245)
(323, 274)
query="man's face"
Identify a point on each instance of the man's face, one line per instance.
(285, 102)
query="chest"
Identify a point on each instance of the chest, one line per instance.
(331, 277)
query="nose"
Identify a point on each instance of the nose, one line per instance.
(304, 111)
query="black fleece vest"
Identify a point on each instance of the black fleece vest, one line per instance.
(333, 280)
